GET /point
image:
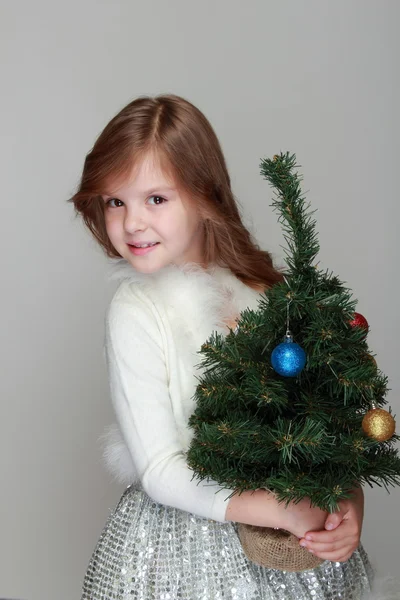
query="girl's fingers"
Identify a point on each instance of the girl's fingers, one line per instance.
(334, 520)
(340, 556)
(342, 543)
(328, 536)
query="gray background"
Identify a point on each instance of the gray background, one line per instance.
(316, 78)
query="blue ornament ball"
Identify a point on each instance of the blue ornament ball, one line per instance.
(288, 359)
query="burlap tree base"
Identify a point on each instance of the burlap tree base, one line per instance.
(275, 549)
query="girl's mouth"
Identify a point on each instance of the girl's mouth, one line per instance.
(140, 251)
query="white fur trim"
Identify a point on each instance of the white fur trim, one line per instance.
(116, 456)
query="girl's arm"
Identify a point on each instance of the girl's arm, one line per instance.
(138, 381)
(262, 508)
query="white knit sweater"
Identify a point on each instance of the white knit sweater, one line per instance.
(154, 328)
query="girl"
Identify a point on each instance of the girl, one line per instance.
(155, 192)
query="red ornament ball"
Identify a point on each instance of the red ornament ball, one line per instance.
(359, 321)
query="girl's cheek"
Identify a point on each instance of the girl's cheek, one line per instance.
(112, 222)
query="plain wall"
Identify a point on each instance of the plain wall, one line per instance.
(316, 78)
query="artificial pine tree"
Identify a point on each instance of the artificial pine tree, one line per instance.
(291, 399)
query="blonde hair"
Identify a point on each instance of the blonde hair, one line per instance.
(181, 138)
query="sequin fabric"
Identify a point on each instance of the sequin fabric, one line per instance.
(149, 551)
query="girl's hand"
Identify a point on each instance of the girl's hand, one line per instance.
(301, 518)
(345, 527)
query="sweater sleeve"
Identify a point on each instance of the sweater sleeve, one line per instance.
(140, 396)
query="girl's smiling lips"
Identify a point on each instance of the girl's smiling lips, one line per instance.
(140, 251)
(140, 243)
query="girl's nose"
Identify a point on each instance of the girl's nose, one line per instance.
(134, 219)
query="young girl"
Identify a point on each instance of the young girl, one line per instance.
(155, 192)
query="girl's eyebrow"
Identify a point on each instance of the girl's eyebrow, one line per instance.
(148, 192)
(160, 188)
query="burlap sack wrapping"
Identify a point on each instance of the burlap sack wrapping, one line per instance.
(275, 549)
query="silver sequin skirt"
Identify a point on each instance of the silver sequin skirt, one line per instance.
(149, 551)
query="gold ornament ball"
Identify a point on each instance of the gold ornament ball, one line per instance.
(379, 424)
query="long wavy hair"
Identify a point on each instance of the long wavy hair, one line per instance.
(182, 139)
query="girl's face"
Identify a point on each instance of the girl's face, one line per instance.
(149, 208)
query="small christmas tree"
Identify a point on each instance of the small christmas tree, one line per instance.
(298, 414)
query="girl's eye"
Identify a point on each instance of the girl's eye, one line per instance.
(160, 198)
(112, 200)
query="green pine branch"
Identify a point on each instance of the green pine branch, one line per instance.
(298, 436)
